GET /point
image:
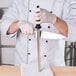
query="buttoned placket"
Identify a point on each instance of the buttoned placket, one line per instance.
(44, 52)
(30, 40)
(43, 55)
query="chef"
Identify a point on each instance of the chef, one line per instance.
(57, 16)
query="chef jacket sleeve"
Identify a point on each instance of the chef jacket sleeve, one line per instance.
(69, 15)
(10, 16)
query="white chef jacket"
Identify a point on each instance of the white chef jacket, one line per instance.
(52, 51)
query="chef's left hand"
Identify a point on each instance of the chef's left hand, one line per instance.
(45, 16)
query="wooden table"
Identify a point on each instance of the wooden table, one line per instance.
(58, 71)
(64, 71)
(9, 71)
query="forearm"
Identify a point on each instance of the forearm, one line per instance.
(61, 25)
(13, 28)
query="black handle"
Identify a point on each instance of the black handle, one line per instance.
(38, 26)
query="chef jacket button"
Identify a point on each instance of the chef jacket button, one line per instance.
(28, 53)
(48, 26)
(29, 39)
(38, 6)
(29, 10)
(45, 56)
(46, 41)
(51, 12)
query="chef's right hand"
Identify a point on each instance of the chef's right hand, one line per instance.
(26, 27)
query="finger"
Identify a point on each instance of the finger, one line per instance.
(38, 22)
(37, 14)
(37, 10)
(24, 33)
(31, 30)
(27, 32)
(37, 18)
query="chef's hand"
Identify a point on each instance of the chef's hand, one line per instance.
(26, 27)
(45, 16)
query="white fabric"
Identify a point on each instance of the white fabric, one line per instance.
(70, 17)
(50, 35)
(53, 49)
(31, 70)
(4, 30)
